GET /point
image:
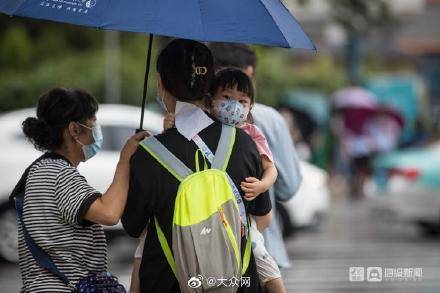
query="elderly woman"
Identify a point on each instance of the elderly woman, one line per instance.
(62, 214)
(185, 71)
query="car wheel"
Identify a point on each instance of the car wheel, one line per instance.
(8, 235)
(284, 222)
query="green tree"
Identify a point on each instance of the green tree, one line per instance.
(358, 18)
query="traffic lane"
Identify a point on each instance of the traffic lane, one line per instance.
(353, 236)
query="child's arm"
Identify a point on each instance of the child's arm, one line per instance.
(254, 187)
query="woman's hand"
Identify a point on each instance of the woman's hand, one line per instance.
(108, 208)
(168, 121)
(131, 146)
(252, 187)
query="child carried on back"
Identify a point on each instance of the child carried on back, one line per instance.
(232, 98)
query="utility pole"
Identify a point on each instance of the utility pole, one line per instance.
(112, 68)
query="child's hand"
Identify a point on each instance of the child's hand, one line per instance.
(168, 121)
(252, 187)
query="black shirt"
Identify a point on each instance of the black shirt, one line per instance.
(153, 191)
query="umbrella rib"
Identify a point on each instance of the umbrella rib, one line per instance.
(279, 29)
(16, 8)
(201, 21)
(265, 7)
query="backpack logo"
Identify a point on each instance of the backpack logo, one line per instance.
(205, 231)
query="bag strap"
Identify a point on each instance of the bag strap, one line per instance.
(40, 256)
(165, 247)
(224, 148)
(166, 158)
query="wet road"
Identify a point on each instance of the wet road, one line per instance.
(352, 236)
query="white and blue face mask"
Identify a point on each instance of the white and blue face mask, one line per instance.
(90, 150)
(230, 112)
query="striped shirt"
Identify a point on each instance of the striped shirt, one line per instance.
(56, 200)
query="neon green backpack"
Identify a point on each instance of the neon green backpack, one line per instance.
(207, 228)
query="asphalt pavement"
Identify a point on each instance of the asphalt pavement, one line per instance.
(385, 255)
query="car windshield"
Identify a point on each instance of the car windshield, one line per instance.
(115, 136)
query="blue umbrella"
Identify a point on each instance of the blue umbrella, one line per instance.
(264, 22)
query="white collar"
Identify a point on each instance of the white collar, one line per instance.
(190, 119)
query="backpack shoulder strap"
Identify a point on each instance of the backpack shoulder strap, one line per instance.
(224, 148)
(166, 158)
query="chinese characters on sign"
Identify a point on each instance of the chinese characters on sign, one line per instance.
(196, 282)
(379, 274)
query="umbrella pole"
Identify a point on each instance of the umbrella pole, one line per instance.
(147, 71)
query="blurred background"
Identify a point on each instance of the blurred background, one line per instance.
(364, 114)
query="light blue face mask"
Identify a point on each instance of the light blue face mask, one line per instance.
(230, 112)
(90, 150)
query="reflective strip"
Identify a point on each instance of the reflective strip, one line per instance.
(227, 139)
(224, 148)
(167, 159)
(165, 247)
(247, 253)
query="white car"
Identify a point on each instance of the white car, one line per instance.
(311, 202)
(406, 183)
(16, 153)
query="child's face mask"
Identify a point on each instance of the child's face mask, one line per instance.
(230, 112)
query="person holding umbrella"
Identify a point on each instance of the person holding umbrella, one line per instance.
(153, 188)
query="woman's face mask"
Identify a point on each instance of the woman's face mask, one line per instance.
(90, 150)
(230, 111)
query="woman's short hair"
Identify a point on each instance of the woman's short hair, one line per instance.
(186, 69)
(55, 110)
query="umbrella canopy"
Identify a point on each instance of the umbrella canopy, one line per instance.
(315, 104)
(355, 119)
(265, 22)
(355, 97)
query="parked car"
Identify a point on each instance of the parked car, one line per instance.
(309, 205)
(407, 183)
(118, 123)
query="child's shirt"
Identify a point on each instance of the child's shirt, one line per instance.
(260, 140)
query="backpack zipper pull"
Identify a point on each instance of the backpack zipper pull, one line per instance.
(222, 216)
